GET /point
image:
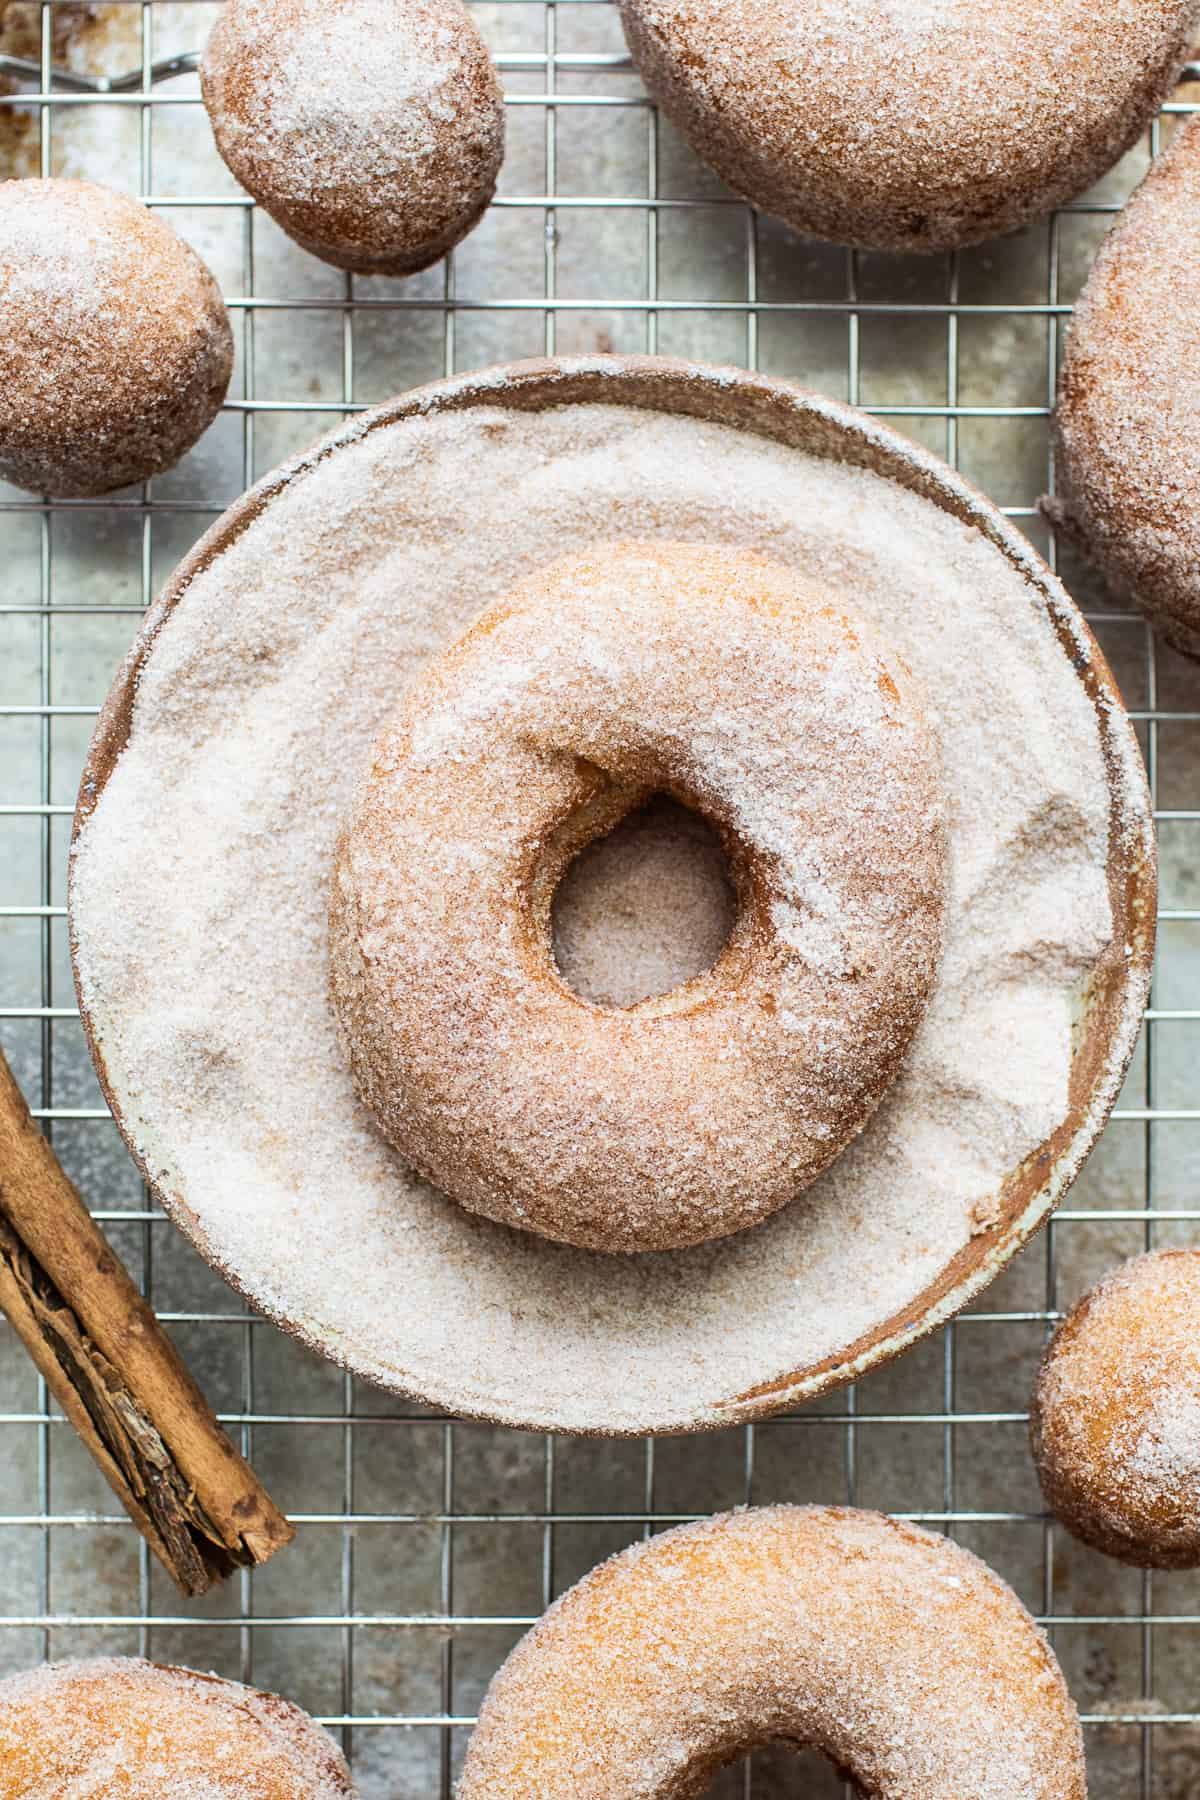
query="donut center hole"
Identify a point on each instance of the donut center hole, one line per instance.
(644, 909)
(781, 1769)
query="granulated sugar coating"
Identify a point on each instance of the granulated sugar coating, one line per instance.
(1128, 413)
(117, 1726)
(720, 677)
(898, 1654)
(1116, 1413)
(371, 130)
(909, 124)
(115, 346)
(201, 890)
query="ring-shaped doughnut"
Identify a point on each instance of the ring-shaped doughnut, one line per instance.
(903, 1658)
(1115, 1421)
(718, 677)
(909, 124)
(123, 1729)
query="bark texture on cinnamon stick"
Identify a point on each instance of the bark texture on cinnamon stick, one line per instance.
(117, 1375)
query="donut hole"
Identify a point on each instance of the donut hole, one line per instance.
(644, 908)
(787, 1769)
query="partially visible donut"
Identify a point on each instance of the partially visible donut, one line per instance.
(721, 678)
(899, 1655)
(372, 131)
(122, 1729)
(909, 124)
(115, 346)
(1116, 1414)
(1128, 414)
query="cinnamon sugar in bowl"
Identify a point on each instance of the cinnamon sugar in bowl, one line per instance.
(221, 770)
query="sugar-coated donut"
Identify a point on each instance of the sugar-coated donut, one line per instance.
(902, 1657)
(372, 131)
(714, 675)
(1115, 1424)
(122, 1729)
(115, 346)
(1128, 412)
(909, 124)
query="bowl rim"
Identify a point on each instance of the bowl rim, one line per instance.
(779, 409)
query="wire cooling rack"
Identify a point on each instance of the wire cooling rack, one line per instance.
(425, 1545)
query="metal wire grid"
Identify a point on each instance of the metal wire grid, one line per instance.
(848, 1417)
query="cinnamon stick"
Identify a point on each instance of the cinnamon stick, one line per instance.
(117, 1375)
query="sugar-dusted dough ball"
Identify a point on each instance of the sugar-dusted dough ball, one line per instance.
(371, 130)
(122, 1729)
(1116, 1414)
(1129, 401)
(115, 347)
(909, 124)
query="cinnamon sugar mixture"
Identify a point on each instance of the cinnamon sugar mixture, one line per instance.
(200, 895)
